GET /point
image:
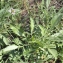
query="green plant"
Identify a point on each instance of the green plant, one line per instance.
(42, 42)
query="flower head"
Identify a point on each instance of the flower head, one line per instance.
(12, 11)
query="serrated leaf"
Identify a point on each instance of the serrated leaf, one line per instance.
(31, 24)
(17, 41)
(43, 30)
(15, 30)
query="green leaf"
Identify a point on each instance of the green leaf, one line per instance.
(1, 12)
(1, 36)
(47, 3)
(53, 52)
(6, 40)
(61, 10)
(43, 30)
(2, 2)
(51, 46)
(0, 55)
(15, 30)
(55, 20)
(17, 41)
(57, 36)
(9, 48)
(31, 24)
(43, 2)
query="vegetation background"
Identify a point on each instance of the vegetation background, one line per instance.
(31, 31)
